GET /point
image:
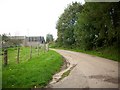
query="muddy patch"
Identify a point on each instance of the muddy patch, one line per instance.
(105, 78)
(65, 64)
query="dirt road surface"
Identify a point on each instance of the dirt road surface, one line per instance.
(89, 72)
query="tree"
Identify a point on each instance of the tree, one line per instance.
(91, 26)
(49, 38)
(66, 23)
(96, 25)
(7, 41)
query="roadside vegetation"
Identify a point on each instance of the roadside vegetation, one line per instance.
(108, 52)
(34, 72)
(91, 28)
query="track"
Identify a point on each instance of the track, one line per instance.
(89, 72)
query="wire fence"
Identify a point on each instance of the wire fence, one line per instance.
(18, 55)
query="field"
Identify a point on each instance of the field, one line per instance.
(29, 73)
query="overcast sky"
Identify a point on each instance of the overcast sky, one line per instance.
(31, 17)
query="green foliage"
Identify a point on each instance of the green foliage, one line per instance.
(37, 71)
(89, 26)
(49, 38)
(8, 42)
(95, 29)
(66, 23)
(5, 38)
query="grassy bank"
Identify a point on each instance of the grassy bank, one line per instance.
(35, 72)
(108, 52)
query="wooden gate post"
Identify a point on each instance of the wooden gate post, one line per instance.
(18, 55)
(5, 57)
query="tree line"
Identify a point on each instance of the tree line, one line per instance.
(89, 26)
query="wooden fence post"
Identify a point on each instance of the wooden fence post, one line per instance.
(44, 47)
(47, 47)
(38, 49)
(5, 57)
(18, 54)
(30, 51)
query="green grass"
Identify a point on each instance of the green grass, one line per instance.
(108, 52)
(37, 71)
(0, 71)
(65, 74)
(24, 54)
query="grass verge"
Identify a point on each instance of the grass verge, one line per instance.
(36, 72)
(109, 52)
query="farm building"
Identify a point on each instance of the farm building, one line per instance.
(22, 41)
(34, 41)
